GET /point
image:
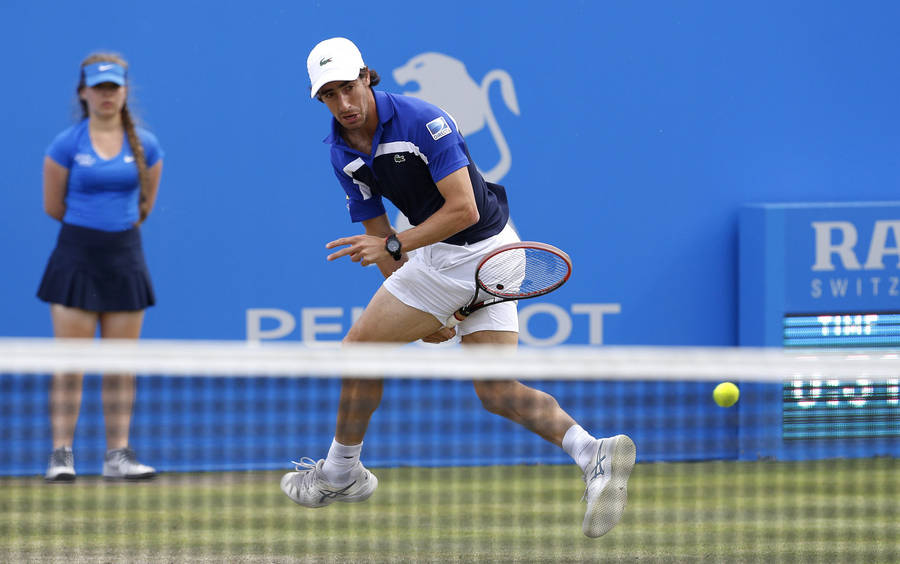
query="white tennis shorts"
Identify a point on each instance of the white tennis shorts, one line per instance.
(440, 278)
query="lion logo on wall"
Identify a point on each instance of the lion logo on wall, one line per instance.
(445, 82)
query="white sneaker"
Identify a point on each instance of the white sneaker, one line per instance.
(122, 464)
(308, 487)
(606, 479)
(61, 467)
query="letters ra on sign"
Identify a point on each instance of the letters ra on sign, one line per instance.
(846, 266)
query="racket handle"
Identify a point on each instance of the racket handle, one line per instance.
(455, 319)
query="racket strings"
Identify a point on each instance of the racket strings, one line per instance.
(523, 272)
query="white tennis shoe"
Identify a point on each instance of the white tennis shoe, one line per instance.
(606, 480)
(61, 467)
(122, 464)
(307, 486)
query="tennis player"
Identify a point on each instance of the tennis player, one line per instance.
(100, 180)
(411, 152)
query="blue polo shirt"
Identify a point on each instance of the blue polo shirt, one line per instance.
(416, 145)
(101, 193)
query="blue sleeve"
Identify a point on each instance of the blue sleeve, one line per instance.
(439, 139)
(62, 149)
(361, 202)
(152, 151)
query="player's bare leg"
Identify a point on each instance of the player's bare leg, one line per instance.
(388, 320)
(341, 476)
(385, 320)
(606, 463)
(535, 410)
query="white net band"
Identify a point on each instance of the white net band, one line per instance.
(239, 358)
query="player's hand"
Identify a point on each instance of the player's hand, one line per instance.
(441, 335)
(364, 249)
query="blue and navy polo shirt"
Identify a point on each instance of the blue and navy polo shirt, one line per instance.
(101, 193)
(416, 145)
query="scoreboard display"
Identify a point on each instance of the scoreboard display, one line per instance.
(853, 330)
(824, 276)
(842, 408)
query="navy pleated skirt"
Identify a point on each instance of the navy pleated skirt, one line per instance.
(98, 271)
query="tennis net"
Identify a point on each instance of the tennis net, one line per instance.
(802, 468)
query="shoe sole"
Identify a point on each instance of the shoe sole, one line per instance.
(135, 478)
(610, 504)
(61, 479)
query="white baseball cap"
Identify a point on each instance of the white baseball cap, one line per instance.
(333, 59)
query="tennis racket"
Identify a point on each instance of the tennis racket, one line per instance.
(516, 271)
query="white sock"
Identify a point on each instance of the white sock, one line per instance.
(577, 443)
(340, 461)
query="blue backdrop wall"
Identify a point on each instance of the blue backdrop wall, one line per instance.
(629, 136)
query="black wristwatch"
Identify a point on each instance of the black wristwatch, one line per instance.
(393, 247)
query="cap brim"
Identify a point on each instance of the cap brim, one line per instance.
(102, 77)
(332, 75)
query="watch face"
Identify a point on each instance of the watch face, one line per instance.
(393, 245)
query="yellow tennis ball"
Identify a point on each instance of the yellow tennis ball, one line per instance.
(726, 394)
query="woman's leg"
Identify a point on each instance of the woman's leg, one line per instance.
(118, 389)
(65, 388)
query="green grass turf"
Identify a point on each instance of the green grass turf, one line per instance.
(824, 511)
